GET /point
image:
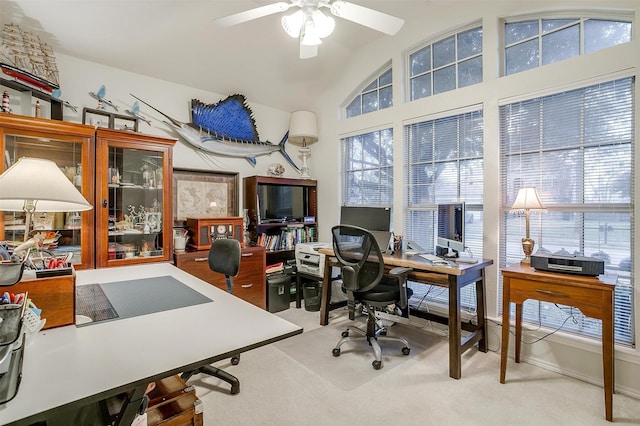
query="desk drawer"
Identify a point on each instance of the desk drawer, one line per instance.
(249, 285)
(580, 297)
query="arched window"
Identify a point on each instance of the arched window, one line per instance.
(447, 64)
(533, 43)
(377, 94)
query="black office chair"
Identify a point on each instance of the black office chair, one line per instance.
(224, 257)
(363, 282)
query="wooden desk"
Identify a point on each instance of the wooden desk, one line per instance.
(592, 295)
(70, 367)
(453, 278)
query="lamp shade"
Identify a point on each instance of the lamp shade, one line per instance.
(39, 182)
(303, 128)
(527, 199)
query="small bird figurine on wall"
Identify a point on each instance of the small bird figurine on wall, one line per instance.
(99, 96)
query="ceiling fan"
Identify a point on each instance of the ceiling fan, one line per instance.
(310, 24)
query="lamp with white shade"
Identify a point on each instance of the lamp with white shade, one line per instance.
(527, 200)
(303, 130)
(38, 185)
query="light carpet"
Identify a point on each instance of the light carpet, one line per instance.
(313, 349)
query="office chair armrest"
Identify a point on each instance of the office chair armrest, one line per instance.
(401, 273)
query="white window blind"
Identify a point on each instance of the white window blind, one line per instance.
(576, 148)
(443, 163)
(367, 169)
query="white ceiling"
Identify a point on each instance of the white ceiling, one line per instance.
(177, 41)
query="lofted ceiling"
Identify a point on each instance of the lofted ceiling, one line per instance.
(178, 41)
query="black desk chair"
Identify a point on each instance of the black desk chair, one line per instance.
(224, 257)
(362, 281)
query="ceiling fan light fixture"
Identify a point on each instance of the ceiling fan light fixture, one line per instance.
(309, 36)
(324, 24)
(292, 24)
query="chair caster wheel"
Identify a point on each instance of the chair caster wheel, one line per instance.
(235, 360)
(336, 351)
(377, 365)
(345, 333)
(383, 332)
(405, 351)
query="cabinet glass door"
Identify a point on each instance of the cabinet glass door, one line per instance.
(64, 233)
(133, 184)
(136, 185)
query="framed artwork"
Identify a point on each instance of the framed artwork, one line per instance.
(153, 220)
(201, 194)
(104, 118)
(96, 118)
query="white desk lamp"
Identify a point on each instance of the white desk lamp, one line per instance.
(527, 200)
(303, 130)
(36, 184)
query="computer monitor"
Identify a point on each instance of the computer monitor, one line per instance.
(450, 236)
(370, 218)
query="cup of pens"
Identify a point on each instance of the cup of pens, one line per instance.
(180, 239)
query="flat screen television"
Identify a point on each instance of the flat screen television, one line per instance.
(281, 203)
(370, 218)
(450, 236)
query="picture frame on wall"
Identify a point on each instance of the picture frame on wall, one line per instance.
(202, 194)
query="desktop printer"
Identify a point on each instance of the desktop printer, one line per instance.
(308, 260)
(569, 264)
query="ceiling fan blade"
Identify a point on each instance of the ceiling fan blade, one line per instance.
(249, 15)
(307, 51)
(368, 17)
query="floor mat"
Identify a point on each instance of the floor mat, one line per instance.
(353, 367)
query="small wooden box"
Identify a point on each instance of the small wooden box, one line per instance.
(204, 230)
(172, 402)
(56, 296)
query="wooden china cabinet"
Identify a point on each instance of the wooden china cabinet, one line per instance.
(133, 198)
(126, 176)
(71, 147)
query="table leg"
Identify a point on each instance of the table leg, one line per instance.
(298, 291)
(481, 304)
(506, 308)
(325, 301)
(455, 329)
(608, 357)
(518, 331)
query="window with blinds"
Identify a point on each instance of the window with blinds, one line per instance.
(576, 148)
(367, 169)
(443, 163)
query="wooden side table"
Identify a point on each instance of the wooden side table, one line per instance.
(592, 295)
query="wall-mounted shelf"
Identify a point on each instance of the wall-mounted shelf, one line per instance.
(56, 104)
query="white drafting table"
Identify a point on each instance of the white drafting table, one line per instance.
(68, 367)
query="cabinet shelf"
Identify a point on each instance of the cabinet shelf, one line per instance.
(276, 235)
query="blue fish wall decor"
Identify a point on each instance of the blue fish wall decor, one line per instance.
(226, 128)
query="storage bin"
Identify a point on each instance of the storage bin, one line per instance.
(312, 292)
(279, 292)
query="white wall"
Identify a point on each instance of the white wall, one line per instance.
(78, 77)
(570, 355)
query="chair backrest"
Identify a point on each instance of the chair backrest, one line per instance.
(224, 256)
(358, 252)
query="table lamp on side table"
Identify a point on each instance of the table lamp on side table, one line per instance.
(527, 200)
(36, 184)
(303, 130)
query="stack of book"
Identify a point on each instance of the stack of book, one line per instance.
(275, 268)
